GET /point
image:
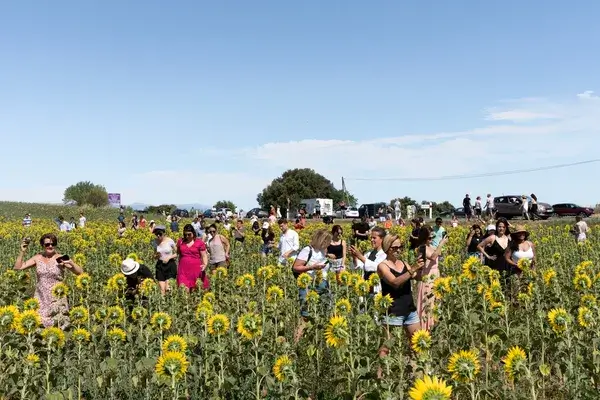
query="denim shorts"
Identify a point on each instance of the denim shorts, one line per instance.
(394, 320)
(265, 249)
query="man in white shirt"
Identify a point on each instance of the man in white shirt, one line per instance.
(27, 220)
(64, 226)
(289, 242)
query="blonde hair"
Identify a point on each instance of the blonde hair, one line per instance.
(321, 239)
(388, 240)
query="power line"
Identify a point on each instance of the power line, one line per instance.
(484, 175)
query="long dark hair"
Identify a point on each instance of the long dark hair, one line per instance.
(424, 234)
(505, 222)
(188, 228)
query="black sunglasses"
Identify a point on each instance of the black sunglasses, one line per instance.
(395, 248)
(212, 231)
(49, 244)
(158, 234)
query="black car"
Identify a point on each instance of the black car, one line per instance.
(258, 212)
(510, 207)
(181, 213)
(371, 210)
(459, 212)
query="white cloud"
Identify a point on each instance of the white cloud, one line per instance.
(518, 115)
(588, 94)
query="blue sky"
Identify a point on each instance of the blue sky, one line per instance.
(195, 101)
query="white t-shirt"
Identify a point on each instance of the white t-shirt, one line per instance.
(316, 258)
(165, 248)
(82, 222)
(65, 226)
(288, 241)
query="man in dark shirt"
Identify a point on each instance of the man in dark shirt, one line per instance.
(361, 230)
(135, 273)
(467, 207)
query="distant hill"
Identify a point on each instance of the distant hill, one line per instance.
(195, 206)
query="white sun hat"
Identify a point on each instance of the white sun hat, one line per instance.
(129, 266)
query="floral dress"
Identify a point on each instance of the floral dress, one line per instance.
(51, 310)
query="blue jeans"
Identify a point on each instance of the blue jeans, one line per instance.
(323, 291)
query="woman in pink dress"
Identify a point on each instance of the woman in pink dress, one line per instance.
(426, 276)
(49, 269)
(193, 259)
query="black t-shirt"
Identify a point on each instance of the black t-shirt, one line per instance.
(142, 273)
(361, 227)
(413, 242)
(267, 237)
(475, 240)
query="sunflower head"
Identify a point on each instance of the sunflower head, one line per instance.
(304, 280)
(209, 296)
(139, 313)
(585, 317)
(336, 332)
(81, 335)
(245, 281)
(27, 322)
(282, 369)
(171, 364)
(80, 259)
(558, 319)
(116, 335)
(345, 277)
(265, 273)
(588, 300)
(442, 287)
(218, 325)
(515, 362)
(249, 326)
(101, 314)
(582, 282)
(343, 307)
(383, 303)
(204, 310)
(220, 274)
(174, 343)
(32, 360)
(549, 277)
(464, 366)
(53, 337)
(362, 287)
(115, 315)
(430, 388)
(8, 316)
(148, 287)
(79, 315)
(421, 341)
(274, 294)
(31, 304)
(60, 290)
(161, 321)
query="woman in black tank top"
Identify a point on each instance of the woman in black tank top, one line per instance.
(395, 276)
(336, 252)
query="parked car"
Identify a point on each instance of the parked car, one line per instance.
(181, 213)
(571, 209)
(258, 212)
(510, 207)
(459, 212)
(209, 213)
(370, 210)
(350, 212)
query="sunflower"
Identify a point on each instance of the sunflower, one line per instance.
(101, 314)
(303, 280)
(218, 324)
(524, 265)
(60, 290)
(53, 336)
(115, 315)
(147, 287)
(584, 268)
(383, 303)
(514, 362)
(345, 277)
(119, 280)
(343, 307)
(312, 297)
(209, 296)
(81, 335)
(274, 294)
(115, 260)
(336, 333)
(8, 316)
(362, 287)
(585, 317)
(249, 326)
(32, 360)
(220, 274)
(138, 313)
(27, 321)
(245, 281)
(464, 366)
(430, 388)
(549, 277)
(83, 281)
(282, 369)
(80, 259)
(79, 315)
(31, 304)
(374, 280)
(470, 268)
(172, 365)
(133, 256)
(116, 335)
(161, 321)
(441, 287)
(265, 273)
(174, 343)
(421, 341)
(588, 300)
(204, 310)
(559, 319)
(582, 282)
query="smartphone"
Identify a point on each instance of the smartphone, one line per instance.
(62, 259)
(27, 240)
(423, 252)
(444, 234)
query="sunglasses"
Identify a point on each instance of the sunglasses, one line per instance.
(188, 234)
(49, 244)
(158, 234)
(212, 232)
(396, 248)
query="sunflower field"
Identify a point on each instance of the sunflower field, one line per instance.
(540, 339)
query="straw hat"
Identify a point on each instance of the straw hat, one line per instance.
(129, 266)
(519, 229)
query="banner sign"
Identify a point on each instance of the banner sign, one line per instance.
(114, 200)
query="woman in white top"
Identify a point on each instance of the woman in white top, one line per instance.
(312, 260)
(520, 248)
(165, 253)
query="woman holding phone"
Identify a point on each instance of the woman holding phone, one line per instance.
(49, 269)
(426, 276)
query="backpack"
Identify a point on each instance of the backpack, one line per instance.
(310, 252)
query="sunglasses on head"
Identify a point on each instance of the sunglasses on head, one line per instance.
(48, 244)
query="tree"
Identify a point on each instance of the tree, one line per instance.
(162, 209)
(86, 193)
(297, 184)
(404, 201)
(443, 207)
(224, 204)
